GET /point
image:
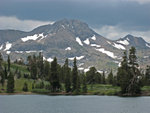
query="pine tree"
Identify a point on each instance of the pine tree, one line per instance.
(33, 67)
(110, 78)
(54, 80)
(1, 58)
(91, 75)
(84, 84)
(123, 74)
(134, 85)
(8, 61)
(10, 83)
(128, 75)
(2, 75)
(40, 65)
(78, 84)
(46, 72)
(103, 78)
(5, 71)
(147, 76)
(98, 78)
(25, 87)
(67, 77)
(74, 76)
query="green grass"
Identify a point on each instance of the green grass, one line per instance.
(41, 91)
(19, 83)
(100, 89)
(146, 88)
(13, 67)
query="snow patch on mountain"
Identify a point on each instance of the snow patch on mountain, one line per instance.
(50, 59)
(119, 46)
(116, 62)
(124, 42)
(109, 42)
(119, 65)
(68, 48)
(63, 26)
(81, 64)
(78, 58)
(95, 45)
(93, 37)
(8, 46)
(128, 39)
(108, 53)
(8, 52)
(147, 45)
(1, 47)
(80, 68)
(34, 37)
(30, 51)
(19, 51)
(86, 70)
(44, 58)
(87, 41)
(79, 41)
(146, 57)
(100, 71)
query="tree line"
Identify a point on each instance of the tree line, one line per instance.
(129, 76)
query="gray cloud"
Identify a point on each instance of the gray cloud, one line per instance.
(15, 23)
(117, 31)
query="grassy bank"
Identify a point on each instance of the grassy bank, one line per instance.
(96, 89)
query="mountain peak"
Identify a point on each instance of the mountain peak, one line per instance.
(137, 42)
(133, 38)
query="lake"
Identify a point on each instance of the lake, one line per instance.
(73, 104)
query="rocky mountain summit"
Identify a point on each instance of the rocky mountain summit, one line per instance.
(69, 39)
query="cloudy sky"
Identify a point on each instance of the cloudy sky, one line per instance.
(110, 18)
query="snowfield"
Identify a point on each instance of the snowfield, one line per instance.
(81, 64)
(8, 46)
(99, 71)
(95, 45)
(93, 37)
(108, 53)
(63, 26)
(109, 42)
(146, 57)
(119, 65)
(68, 48)
(119, 46)
(80, 68)
(79, 41)
(87, 41)
(124, 42)
(19, 51)
(78, 58)
(147, 45)
(86, 70)
(50, 59)
(8, 52)
(34, 37)
(1, 47)
(30, 51)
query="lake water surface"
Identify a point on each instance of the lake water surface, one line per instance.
(73, 104)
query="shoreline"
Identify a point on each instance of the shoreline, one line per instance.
(144, 93)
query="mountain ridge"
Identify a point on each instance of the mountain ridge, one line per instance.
(69, 39)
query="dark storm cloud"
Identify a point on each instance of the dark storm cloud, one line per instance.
(111, 18)
(96, 13)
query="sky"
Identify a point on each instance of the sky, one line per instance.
(112, 19)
